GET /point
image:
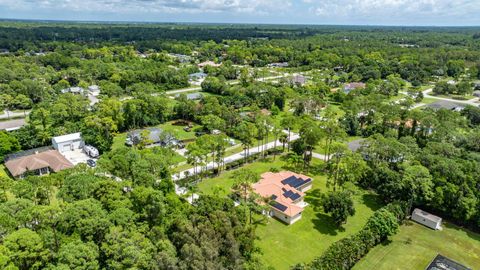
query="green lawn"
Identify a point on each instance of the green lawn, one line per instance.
(3, 171)
(320, 148)
(284, 245)
(429, 100)
(177, 131)
(415, 246)
(457, 97)
(397, 97)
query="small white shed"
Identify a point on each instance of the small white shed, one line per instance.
(427, 219)
(69, 142)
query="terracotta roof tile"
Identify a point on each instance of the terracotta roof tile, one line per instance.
(271, 186)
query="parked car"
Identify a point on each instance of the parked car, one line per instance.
(92, 163)
(91, 151)
(230, 141)
(187, 129)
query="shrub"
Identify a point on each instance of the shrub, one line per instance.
(344, 253)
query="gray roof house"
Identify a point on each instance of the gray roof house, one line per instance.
(349, 87)
(156, 136)
(299, 79)
(476, 93)
(447, 105)
(197, 76)
(192, 96)
(355, 145)
(73, 90)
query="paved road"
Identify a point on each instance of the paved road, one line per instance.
(10, 114)
(198, 88)
(319, 156)
(472, 101)
(233, 158)
(426, 94)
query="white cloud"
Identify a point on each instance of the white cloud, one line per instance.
(404, 12)
(152, 6)
(394, 8)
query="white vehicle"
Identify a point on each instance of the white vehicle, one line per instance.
(91, 151)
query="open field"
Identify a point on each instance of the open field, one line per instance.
(456, 97)
(177, 131)
(284, 245)
(414, 246)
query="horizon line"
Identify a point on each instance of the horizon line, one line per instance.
(126, 22)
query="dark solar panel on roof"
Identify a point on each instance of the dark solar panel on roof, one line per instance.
(444, 263)
(279, 206)
(288, 193)
(294, 196)
(289, 180)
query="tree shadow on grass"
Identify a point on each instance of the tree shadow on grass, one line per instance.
(322, 222)
(317, 169)
(372, 201)
(470, 233)
(386, 242)
(325, 225)
(314, 198)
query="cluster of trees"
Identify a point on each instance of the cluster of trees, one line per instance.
(425, 157)
(463, 88)
(129, 217)
(72, 113)
(346, 252)
(137, 222)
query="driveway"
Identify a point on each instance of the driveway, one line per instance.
(9, 114)
(232, 158)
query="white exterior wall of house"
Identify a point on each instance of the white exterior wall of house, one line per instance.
(67, 142)
(433, 223)
(284, 218)
(305, 187)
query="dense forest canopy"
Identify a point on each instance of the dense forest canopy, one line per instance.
(263, 83)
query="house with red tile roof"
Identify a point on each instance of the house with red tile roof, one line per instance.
(287, 191)
(349, 87)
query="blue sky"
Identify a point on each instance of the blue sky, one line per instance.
(365, 12)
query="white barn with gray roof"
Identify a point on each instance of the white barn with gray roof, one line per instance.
(427, 219)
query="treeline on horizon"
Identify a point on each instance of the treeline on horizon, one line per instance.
(14, 34)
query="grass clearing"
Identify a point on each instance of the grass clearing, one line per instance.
(177, 131)
(285, 245)
(3, 171)
(415, 246)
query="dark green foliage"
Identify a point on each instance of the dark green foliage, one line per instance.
(343, 255)
(339, 205)
(8, 144)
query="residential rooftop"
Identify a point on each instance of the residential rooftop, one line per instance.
(282, 188)
(36, 161)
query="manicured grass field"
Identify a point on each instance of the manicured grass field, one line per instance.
(429, 100)
(415, 246)
(284, 245)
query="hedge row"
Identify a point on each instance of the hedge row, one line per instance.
(344, 253)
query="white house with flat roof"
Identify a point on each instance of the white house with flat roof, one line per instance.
(69, 142)
(427, 219)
